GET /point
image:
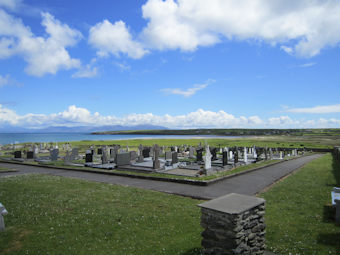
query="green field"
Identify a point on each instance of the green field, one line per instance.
(299, 217)
(56, 215)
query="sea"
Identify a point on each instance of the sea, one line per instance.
(13, 138)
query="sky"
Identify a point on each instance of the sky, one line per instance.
(177, 64)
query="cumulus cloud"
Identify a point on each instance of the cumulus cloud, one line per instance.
(114, 39)
(188, 92)
(77, 116)
(43, 55)
(301, 27)
(317, 109)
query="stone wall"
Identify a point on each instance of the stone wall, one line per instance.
(234, 224)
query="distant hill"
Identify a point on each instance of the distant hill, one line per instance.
(78, 129)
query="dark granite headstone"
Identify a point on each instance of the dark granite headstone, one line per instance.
(224, 158)
(213, 152)
(123, 159)
(199, 154)
(30, 155)
(99, 151)
(146, 152)
(17, 154)
(89, 158)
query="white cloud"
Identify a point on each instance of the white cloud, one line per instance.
(302, 27)
(76, 116)
(123, 67)
(4, 80)
(114, 39)
(189, 92)
(307, 64)
(43, 55)
(317, 109)
(86, 72)
(10, 4)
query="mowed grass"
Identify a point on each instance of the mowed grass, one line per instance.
(57, 215)
(299, 216)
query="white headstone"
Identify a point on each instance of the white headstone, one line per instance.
(245, 155)
(207, 158)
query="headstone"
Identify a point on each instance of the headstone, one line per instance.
(236, 156)
(281, 155)
(191, 152)
(67, 157)
(17, 154)
(74, 154)
(99, 151)
(146, 152)
(254, 152)
(245, 155)
(156, 162)
(168, 155)
(213, 152)
(174, 158)
(199, 155)
(54, 154)
(88, 157)
(207, 158)
(224, 158)
(231, 154)
(30, 155)
(133, 155)
(123, 159)
(105, 159)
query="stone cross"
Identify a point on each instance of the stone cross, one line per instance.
(140, 157)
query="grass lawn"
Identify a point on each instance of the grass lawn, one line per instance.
(56, 215)
(299, 217)
(5, 169)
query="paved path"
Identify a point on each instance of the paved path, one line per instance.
(248, 184)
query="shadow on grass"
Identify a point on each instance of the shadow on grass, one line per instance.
(330, 240)
(328, 213)
(194, 251)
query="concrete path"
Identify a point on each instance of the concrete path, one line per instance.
(248, 184)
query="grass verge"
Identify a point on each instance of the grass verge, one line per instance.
(49, 215)
(5, 170)
(299, 216)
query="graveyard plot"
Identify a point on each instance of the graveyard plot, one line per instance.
(78, 217)
(198, 164)
(299, 215)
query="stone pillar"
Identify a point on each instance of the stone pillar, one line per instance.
(233, 224)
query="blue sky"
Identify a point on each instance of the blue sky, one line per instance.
(179, 64)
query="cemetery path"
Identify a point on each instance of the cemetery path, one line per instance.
(248, 184)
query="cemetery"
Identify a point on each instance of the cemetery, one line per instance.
(178, 161)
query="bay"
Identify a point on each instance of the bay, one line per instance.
(9, 138)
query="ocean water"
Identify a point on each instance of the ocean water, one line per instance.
(67, 137)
